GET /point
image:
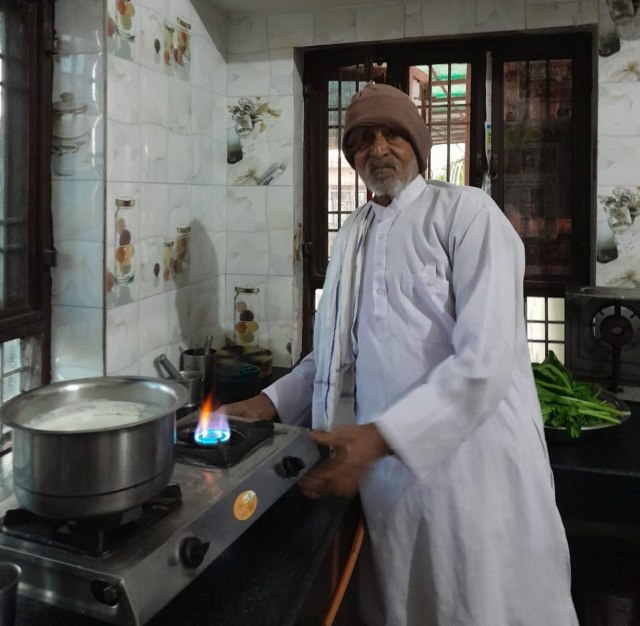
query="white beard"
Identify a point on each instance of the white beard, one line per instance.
(390, 186)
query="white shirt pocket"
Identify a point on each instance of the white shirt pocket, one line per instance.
(425, 307)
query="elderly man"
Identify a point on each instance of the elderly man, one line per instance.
(420, 381)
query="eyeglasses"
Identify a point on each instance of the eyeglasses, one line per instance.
(363, 137)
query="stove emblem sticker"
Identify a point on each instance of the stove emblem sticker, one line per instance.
(245, 505)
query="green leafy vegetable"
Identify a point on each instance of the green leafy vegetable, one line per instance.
(568, 403)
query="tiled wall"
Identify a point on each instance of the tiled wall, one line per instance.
(158, 138)
(172, 144)
(618, 255)
(166, 92)
(78, 191)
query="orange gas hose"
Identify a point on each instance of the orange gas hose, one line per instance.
(341, 589)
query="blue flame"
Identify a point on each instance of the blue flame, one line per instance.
(211, 437)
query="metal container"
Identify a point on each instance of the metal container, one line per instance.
(237, 381)
(191, 380)
(203, 361)
(94, 469)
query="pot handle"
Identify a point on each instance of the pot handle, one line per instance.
(162, 361)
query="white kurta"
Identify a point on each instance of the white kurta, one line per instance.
(462, 518)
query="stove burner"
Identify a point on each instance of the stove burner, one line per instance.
(98, 536)
(615, 326)
(211, 437)
(244, 438)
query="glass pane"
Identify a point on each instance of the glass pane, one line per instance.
(333, 94)
(348, 88)
(556, 332)
(536, 309)
(334, 122)
(558, 349)
(10, 386)
(11, 356)
(334, 152)
(538, 160)
(536, 331)
(442, 95)
(556, 309)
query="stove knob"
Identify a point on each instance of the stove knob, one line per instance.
(192, 552)
(292, 465)
(105, 592)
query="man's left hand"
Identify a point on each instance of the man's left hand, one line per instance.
(354, 449)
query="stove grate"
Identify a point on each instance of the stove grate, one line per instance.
(97, 536)
(245, 437)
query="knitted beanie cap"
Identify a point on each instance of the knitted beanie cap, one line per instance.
(383, 105)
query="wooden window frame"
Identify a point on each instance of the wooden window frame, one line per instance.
(34, 319)
(321, 62)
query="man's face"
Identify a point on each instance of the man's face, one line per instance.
(384, 160)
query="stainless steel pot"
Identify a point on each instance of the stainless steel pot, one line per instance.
(95, 469)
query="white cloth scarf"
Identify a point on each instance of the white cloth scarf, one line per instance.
(334, 340)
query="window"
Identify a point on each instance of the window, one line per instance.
(507, 114)
(26, 35)
(545, 326)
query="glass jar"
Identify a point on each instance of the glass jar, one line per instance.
(124, 239)
(168, 44)
(183, 41)
(246, 316)
(167, 258)
(125, 10)
(182, 252)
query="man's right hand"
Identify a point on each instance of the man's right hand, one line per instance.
(255, 409)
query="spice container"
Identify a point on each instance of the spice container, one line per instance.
(125, 10)
(183, 251)
(167, 258)
(124, 240)
(168, 43)
(246, 316)
(183, 47)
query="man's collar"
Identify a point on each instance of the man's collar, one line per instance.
(406, 196)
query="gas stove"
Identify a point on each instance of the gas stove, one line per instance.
(603, 335)
(124, 568)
